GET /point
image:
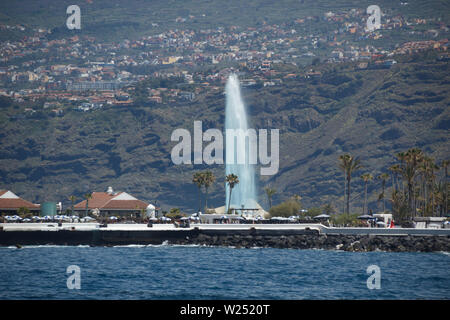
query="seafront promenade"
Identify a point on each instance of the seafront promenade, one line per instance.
(295, 236)
(287, 227)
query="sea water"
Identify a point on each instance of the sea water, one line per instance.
(198, 272)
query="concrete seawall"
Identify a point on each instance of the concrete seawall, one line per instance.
(321, 229)
(93, 237)
(386, 231)
(298, 236)
(362, 243)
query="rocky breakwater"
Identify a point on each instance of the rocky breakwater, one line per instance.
(354, 243)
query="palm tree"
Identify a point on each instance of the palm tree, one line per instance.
(349, 164)
(395, 169)
(328, 209)
(426, 169)
(445, 166)
(405, 173)
(23, 212)
(198, 180)
(400, 168)
(208, 180)
(72, 200)
(270, 192)
(231, 180)
(298, 199)
(383, 177)
(366, 178)
(440, 198)
(345, 192)
(432, 168)
(413, 159)
(87, 196)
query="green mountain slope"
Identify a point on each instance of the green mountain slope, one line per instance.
(369, 113)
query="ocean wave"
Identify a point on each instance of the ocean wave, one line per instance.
(185, 245)
(39, 246)
(130, 246)
(164, 243)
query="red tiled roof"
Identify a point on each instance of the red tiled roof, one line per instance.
(126, 204)
(98, 200)
(15, 203)
(103, 200)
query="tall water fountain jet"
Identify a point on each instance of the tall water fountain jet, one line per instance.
(244, 193)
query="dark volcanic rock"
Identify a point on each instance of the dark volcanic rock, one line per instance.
(360, 243)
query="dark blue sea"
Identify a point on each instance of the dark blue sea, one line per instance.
(189, 272)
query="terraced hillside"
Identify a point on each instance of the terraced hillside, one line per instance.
(369, 113)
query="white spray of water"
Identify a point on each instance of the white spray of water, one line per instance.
(244, 193)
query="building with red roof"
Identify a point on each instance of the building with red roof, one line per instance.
(112, 203)
(11, 203)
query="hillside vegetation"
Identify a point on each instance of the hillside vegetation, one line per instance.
(372, 114)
